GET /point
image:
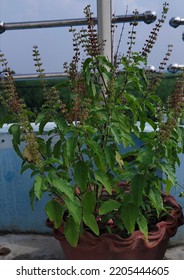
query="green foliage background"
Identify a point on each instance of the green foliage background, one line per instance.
(32, 92)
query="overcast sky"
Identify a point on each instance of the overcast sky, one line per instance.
(55, 43)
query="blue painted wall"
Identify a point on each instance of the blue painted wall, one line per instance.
(16, 214)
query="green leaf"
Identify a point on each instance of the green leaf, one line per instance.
(57, 149)
(104, 180)
(86, 63)
(109, 206)
(65, 155)
(61, 123)
(89, 202)
(90, 221)
(138, 183)
(42, 145)
(99, 162)
(129, 214)
(168, 186)
(155, 197)
(97, 154)
(71, 231)
(55, 212)
(15, 131)
(62, 186)
(74, 210)
(116, 133)
(119, 159)
(146, 158)
(40, 186)
(110, 156)
(43, 123)
(69, 148)
(81, 175)
(49, 146)
(126, 138)
(143, 225)
(93, 89)
(40, 118)
(170, 174)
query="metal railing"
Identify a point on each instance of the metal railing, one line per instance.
(174, 68)
(147, 17)
(56, 75)
(176, 22)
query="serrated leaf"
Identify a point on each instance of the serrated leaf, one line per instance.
(146, 158)
(138, 183)
(40, 186)
(155, 197)
(104, 180)
(129, 214)
(71, 231)
(62, 186)
(109, 155)
(42, 145)
(57, 149)
(169, 172)
(61, 123)
(143, 225)
(89, 202)
(74, 210)
(55, 212)
(70, 147)
(109, 206)
(49, 147)
(90, 221)
(81, 175)
(97, 154)
(65, 155)
(126, 138)
(168, 186)
(116, 133)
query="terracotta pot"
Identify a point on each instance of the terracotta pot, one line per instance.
(111, 246)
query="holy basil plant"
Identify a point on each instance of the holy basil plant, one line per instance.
(103, 170)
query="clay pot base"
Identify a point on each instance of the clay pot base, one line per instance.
(113, 247)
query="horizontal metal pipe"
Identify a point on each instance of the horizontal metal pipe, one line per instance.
(176, 21)
(41, 24)
(174, 68)
(148, 17)
(4, 75)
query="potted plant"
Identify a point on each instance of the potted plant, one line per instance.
(107, 193)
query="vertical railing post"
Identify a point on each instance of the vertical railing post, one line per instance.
(104, 15)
